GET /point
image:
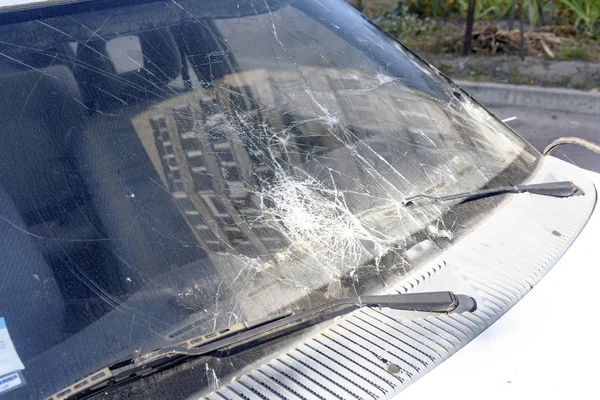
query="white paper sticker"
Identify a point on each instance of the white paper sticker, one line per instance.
(9, 381)
(9, 359)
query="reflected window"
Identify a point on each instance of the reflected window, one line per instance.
(125, 52)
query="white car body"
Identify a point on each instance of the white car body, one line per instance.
(544, 347)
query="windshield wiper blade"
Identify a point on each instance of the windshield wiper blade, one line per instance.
(554, 189)
(243, 336)
(436, 302)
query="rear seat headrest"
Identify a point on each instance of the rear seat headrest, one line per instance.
(105, 88)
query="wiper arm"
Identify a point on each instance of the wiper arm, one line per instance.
(243, 336)
(437, 302)
(554, 189)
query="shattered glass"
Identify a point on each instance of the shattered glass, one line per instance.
(173, 168)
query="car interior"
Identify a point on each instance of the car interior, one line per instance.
(80, 200)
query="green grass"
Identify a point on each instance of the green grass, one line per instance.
(519, 79)
(446, 69)
(576, 83)
(573, 53)
(373, 8)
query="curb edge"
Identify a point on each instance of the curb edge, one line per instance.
(551, 99)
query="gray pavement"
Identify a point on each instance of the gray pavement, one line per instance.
(540, 127)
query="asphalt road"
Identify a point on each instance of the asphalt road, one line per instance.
(540, 127)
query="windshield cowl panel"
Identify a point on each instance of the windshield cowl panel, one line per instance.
(170, 169)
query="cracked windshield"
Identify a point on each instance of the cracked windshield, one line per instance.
(169, 169)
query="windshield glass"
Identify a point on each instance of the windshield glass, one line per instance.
(168, 169)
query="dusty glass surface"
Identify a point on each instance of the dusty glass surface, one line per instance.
(172, 168)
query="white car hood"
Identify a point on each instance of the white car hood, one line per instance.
(544, 347)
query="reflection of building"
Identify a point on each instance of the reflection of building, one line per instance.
(213, 147)
(366, 141)
(191, 147)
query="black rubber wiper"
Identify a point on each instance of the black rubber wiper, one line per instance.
(243, 336)
(554, 189)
